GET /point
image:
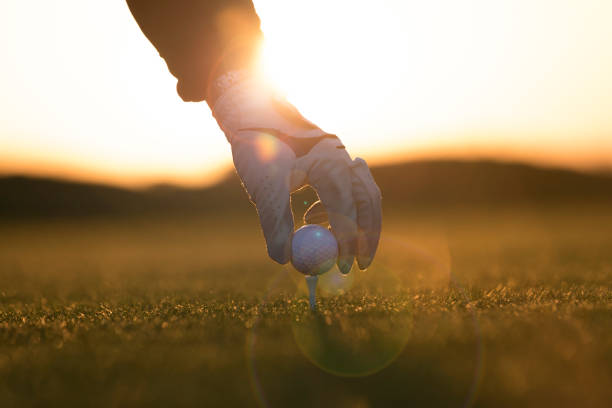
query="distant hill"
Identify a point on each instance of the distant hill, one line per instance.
(40, 197)
(489, 182)
(412, 184)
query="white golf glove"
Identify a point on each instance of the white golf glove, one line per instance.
(276, 151)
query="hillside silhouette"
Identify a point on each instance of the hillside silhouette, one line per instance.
(420, 184)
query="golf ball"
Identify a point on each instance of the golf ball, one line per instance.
(314, 250)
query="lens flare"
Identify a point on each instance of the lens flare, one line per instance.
(334, 283)
(365, 319)
(266, 146)
(422, 260)
(354, 342)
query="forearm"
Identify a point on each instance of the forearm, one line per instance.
(200, 39)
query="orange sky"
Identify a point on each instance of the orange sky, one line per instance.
(84, 95)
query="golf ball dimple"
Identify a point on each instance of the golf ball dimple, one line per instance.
(314, 250)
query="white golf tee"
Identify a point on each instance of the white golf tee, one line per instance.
(311, 281)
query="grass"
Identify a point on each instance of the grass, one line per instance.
(486, 308)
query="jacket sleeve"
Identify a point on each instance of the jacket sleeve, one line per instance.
(199, 39)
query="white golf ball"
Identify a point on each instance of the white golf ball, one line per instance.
(314, 250)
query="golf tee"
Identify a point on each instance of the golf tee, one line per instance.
(311, 282)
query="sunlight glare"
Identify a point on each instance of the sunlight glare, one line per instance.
(84, 91)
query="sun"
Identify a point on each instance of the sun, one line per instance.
(318, 62)
(345, 66)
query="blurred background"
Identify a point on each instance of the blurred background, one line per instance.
(85, 95)
(132, 266)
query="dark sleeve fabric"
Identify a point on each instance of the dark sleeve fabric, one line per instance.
(200, 39)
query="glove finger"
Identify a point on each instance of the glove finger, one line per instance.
(332, 179)
(369, 212)
(265, 176)
(316, 214)
(274, 210)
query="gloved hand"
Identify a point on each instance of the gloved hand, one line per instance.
(276, 151)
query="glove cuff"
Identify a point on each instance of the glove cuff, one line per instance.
(222, 83)
(242, 101)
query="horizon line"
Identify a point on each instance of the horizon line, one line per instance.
(72, 174)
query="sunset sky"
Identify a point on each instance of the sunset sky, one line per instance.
(84, 95)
